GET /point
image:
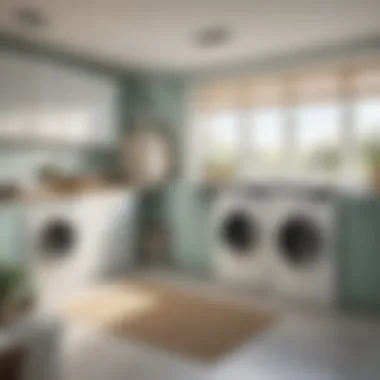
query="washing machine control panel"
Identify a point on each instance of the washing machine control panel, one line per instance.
(315, 193)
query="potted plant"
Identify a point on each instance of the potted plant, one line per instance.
(15, 293)
(326, 158)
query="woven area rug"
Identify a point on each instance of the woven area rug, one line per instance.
(174, 320)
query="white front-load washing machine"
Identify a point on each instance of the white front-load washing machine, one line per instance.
(303, 244)
(77, 241)
(240, 231)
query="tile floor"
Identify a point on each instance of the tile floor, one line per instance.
(304, 344)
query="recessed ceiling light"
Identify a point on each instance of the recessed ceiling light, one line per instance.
(31, 17)
(213, 36)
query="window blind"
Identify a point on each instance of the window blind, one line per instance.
(246, 92)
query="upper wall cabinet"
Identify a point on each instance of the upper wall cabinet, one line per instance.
(46, 102)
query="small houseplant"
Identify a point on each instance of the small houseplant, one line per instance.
(15, 293)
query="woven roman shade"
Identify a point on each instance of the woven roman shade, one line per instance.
(366, 81)
(317, 87)
(219, 95)
(262, 92)
(327, 84)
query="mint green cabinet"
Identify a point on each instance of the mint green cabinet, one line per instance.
(359, 253)
(189, 220)
(12, 232)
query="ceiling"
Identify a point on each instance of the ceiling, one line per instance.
(160, 34)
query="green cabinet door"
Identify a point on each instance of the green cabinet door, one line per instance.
(11, 233)
(188, 212)
(359, 253)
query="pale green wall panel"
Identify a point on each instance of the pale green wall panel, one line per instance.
(189, 214)
(12, 233)
(359, 252)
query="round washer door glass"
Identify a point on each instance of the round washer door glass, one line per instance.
(300, 241)
(239, 232)
(58, 238)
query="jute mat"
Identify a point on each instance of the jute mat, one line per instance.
(175, 320)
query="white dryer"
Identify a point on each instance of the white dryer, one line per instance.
(303, 244)
(77, 241)
(240, 221)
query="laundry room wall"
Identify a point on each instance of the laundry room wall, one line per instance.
(180, 208)
(159, 100)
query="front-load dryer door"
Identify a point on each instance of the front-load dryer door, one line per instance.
(300, 241)
(239, 255)
(57, 239)
(239, 232)
(305, 256)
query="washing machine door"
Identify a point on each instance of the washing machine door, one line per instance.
(305, 262)
(58, 238)
(239, 232)
(300, 241)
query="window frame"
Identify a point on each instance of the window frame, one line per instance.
(345, 97)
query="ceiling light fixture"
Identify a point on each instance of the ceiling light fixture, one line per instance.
(212, 36)
(31, 17)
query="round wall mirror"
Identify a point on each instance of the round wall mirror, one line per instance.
(148, 157)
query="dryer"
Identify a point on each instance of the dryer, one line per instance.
(303, 244)
(241, 220)
(54, 240)
(76, 241)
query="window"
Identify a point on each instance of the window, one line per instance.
(221, 145)
(368, 132)
(367, 119)
(59, 126)
(267, 140)
(318, 137)
(307, 123)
